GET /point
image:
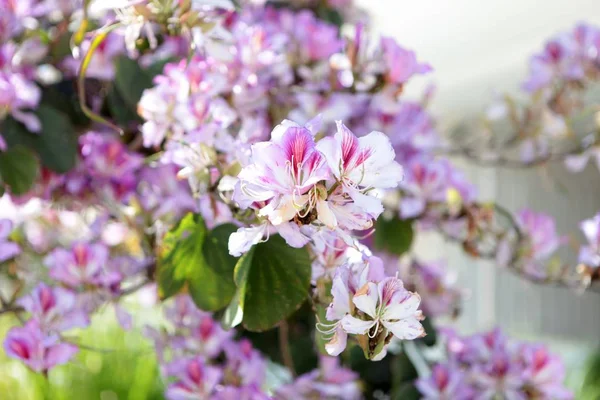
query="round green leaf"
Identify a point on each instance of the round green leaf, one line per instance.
(394, 236)
(274, 282)
(19, 169)
(211, 282)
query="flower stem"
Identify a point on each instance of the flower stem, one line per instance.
(284, 347)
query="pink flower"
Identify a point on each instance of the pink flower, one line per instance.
(378, 308)
(360, 165)
(401, 64)
(590, 254)
(37, 350)
(445, 383)
(54, 308)
(82, 264)
(195, 379)
(544, 373)
(330, 381)
(8, 249)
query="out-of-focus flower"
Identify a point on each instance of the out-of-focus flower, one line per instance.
(8, 249)
(331, 381)
(435, 286)
(195, 379)
(444, 383)
(542, 241)
(590, 254)
(488, 365)
(38, 351)
(82, 264)
(401, 64)
(54, 308)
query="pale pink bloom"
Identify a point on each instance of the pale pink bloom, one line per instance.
(545, 373)
(590, 254)
(401, 63)
(361, 165)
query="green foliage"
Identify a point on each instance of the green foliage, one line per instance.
(123, 367)
(394, 235)
(19, 169)
(56, 144)
(199, 259)
(272, 282)
(404, 375)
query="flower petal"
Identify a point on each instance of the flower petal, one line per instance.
(356, 326)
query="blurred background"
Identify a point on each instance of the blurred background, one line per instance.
(479, 50)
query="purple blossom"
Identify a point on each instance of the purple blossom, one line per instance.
(436, 287)
(55, 309)
(542, 240)
(195, 379)
(82, 264)
(590, 254)
(330, 381)
(102, 63)
(38, 351)
(401, 64)
(8, 249)
(444, 383)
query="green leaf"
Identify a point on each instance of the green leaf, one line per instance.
(211, 285)
(56, 144)
(273, 281)
(199, 259)
(19, 168)
(131, 80)
(404, 375)
(394, 236)
(178, 255)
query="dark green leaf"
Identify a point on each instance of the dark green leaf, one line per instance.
(431, 335)
(404, 375)
(273, 281)
(119, 110)
(56, 144)
(211, 283)
(394, 236)
(19, 168)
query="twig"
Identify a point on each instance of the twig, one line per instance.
(284, 347)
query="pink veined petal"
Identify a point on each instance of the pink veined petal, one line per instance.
(356, 326)
(404, 309)
(379, 169)
(337, 344)
(365, 299)
(405, 329)
(331, 150)
(281, 129)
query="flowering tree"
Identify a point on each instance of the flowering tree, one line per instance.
(256, 167)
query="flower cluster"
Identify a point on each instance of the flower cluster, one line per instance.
(372, 306)
(489, 365)
(301, 187)
(201, 360)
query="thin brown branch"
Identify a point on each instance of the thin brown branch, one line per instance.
(284, 347)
